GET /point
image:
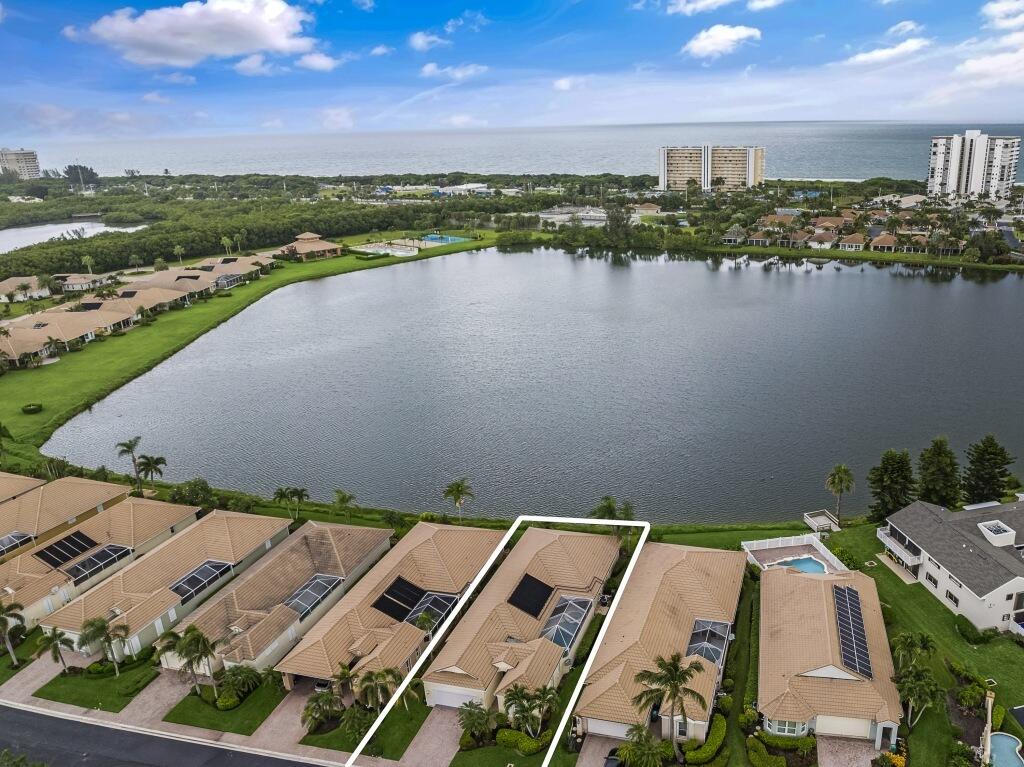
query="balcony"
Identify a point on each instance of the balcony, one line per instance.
(897, 548)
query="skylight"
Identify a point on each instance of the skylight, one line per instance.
(96, 562)
(565, 621)
(312, 593)
(13, 540)
(434, 604)
(196, 581)
(708, 640)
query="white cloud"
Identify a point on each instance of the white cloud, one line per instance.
(321, 62)
(184, 35)
(155, 97)
(462, 120)
(364, 5)
(566, 83)
(763, 5)
(337, 118)
(1004, 14)
(474, 21)
(424, 41)
(719, 40)
(690, 7)
(177, 78)
(254, 65)
(885, 55)
(2, 13)
(381, 50)
(904, 28)
(457, 73)
(275, 123)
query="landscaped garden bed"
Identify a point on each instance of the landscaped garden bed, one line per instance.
(243, 719)
(24, 650)
(102, 688)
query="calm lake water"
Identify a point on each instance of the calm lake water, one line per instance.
(21, 236)
(702, 393)
(792, 150)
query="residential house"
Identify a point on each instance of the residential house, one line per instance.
(21, 347)
(526, 624)
(565, 215)
(776, 221)
(309, 247)
(152, 299)
(822, 240)
(824, 664)
(154, 593)
(829, 223)
(379, 623)
(760, 239)
(13, 485)
(79, 283)
(735, 235)
(971, 560)
(678, 599)
(853, 242)
(48, 510)
(14, 289)
(261, 615)
(797, 239)
(229, 271)
(49, 575)
(190, 283)
(885, 243)
(646, 209)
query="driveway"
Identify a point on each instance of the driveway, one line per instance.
(595, 749)
(845, 752)
(437, 742)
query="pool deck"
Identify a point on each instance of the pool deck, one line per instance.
(766, 557)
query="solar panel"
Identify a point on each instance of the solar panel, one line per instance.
(188, 586)
(530, 595)
(565, 620)
(12, 541)
(853, 643)
(96, 562)
(399, 599)
(312, 593)
(66, 549)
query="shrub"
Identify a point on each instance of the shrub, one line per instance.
(971, 696)
(132, 687)
(748, 719)
(842, 554)
(523, 743)
(725, 704)
(466, 742)
(755, 637)
(227, 701)
(802, 746)
(969, 631)
(998, 715)
(728, 684)
(722, 760)
(887, 615)
(32, 408)
(690, 745)
(759, 756)
(428, 516)
(713, 744)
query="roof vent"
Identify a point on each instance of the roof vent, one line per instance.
(8, 589)
(236, 629)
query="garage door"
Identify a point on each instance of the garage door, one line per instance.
(608, 729)
(843, 727)
(443, 695)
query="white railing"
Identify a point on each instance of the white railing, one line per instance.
(897, 548)
(1016, 628)
(807, 539)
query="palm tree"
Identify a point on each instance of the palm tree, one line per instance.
(344, 678)
(227, 243)
(120, 634)
(179, 252)
(170, 642)
(134, 260)
(128, 448)
(458, 492)
(343, 502)
(99, 631)
(608, 508)
(356, 721)
(393, 519)
(54, 642)
(476, 720)
(283, 496)
(524, 709)
(10, 616)
(321, 707)
(240, 680)
(299, 494)
(410, 692)
(626, 514)
(642, 749)
(908, 648)
(547, 700)
(919, 688)
(838, 482)
(5, 433)
(151, 466)
(88, 262)
(375, 686)
(669, 682)
(200, 650)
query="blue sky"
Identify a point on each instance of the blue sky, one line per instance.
(97, 68)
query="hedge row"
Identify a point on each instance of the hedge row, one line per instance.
(750, 693)
(759, 756)
(523, 743)
(104, 668)
(713, 744)
(802, 745)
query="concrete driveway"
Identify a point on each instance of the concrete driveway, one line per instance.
(437, 742)
(595, 749)
(845, 752)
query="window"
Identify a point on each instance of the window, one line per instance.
(1009, 597)
(681, 728)
(932, 561)
(1006, 618)
(953, 598)
(955, 582)
(931, 579)
(784, 727)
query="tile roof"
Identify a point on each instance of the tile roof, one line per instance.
(494, 633)
(254, 603)
(670, 589)
(12, 485)
(43, 508)
(442, 558)
(141, 591)
(799, 636)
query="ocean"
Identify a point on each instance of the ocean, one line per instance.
(818, 150)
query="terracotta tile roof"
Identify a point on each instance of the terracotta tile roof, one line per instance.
(12, 284)
(131, 523)
(885, 240)
(854, 239)
(799, 635)
(141, 591)
(824, 237)
(38, 511)
(670, 589)
(181, 280)
(148, 297)
(12, 485)
(308, 242)
(434, 557)
(493, 631)
(254, 603)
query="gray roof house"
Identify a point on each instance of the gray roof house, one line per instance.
(972, 560)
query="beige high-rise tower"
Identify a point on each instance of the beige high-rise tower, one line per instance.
(725, 168)
(24, 162)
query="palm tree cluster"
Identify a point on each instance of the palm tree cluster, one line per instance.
(12, 622)
(611, 509)
(916, 683)
(194, 650)
(529, 709)
(143, 466)
(370, 691)
(291, 498)
(667, 683)
(99, 631)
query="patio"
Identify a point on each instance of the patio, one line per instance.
(844, 752)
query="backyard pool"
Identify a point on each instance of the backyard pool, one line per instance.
(444, 239)
(1006, 751)
(804, 564)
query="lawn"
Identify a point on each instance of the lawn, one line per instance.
(80, 379)
(390, 741)
(243, 720)
(739, 670)
(725, 536)
(23, 651)
(104, 693)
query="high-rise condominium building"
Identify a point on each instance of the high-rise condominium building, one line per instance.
(726, 168)
(973, 164)
(24, 162)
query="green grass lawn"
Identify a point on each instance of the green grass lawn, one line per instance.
(23, 651)
(105, 693)
(390, 741)
(244, 720)
(726, 536)
(739, 670)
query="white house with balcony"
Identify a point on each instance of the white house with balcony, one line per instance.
(971, 560)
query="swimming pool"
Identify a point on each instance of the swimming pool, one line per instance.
(1006, 751)
(444, 239)
(804, 564)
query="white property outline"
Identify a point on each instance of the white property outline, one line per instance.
(441, 633)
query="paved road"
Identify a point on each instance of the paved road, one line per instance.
(62, 743)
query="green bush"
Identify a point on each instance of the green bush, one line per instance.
(998, 715)
(842, 554)
(750, 693)
(969, 631)
(725, 704)
(971, 696)
(748, 719)
(802, 746)
(32, 408)
(129, 688)
(713, 744)
(888, 615)
(227, 701)
(523, 743)
(690, 745)
(759, 756)
(722, 760)
(728, 684)
(466, 742)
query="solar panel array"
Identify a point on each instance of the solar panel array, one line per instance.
(399, 599)
(312, 593)
(565, 621)
(66, 549)
(530, 595)
(96, 562)
(12, 541)
(196, 581)
(853, 642)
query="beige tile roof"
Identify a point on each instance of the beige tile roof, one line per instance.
(442, 558)
(12, 485)
(141, 591)
(308, 242)
(11, 284)
(670, 589)
(255, 602)
(22, 341)
(181, 280)
(131, 523)
(799, 635)
(66, 325)
(854, 239)
(494, 633)
(48, 506)
(148, 298)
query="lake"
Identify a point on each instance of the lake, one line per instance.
(21, 236)
(699, 391)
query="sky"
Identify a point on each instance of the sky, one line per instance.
(102, 69)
